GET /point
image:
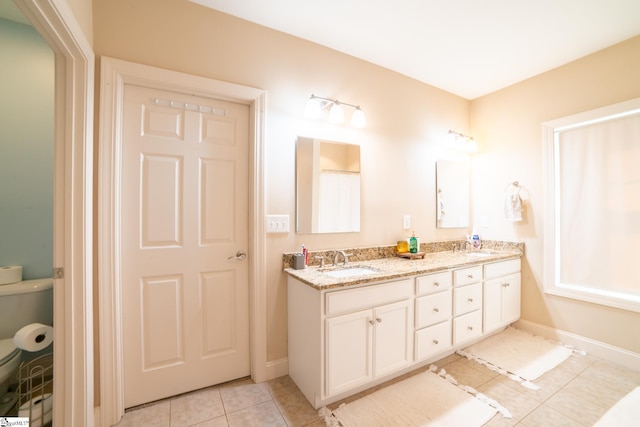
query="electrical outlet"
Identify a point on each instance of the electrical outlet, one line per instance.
(407, 222)
(277, 223)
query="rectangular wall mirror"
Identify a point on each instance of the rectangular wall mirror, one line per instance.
(327, 186)
(452, 194)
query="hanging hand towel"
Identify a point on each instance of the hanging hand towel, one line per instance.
(513, 207)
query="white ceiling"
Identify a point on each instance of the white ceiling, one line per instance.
(466, 47)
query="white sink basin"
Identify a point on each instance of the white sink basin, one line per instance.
(478, 254)
(350, 272)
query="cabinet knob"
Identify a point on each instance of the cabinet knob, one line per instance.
(436, 283)
(436, 309)
(379, 320)
(470, 300)
(435, 342)
(470, 328)
(370, 322)
(470, 276)
(506, 285)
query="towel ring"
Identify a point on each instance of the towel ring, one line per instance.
(515, 188)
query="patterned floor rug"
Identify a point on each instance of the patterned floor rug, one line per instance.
(520, 355)
(625, 413)
(425, 399)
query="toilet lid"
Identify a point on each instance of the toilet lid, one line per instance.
(7, 350)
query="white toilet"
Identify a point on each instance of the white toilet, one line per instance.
(21, 303)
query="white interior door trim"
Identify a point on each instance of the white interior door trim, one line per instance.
(114, 75)
(73, 402)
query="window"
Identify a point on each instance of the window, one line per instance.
(592, 199)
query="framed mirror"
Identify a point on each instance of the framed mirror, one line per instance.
(452, 194)
(327, 186)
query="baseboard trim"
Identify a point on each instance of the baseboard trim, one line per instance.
(277, 368)
(599, 349)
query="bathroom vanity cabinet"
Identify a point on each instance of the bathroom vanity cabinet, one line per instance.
(501, 294)
(345, 339)
(372, 338)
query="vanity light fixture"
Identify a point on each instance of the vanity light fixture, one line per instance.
(316, 105)
(461, 142)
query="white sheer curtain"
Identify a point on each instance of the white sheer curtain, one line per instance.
(599, 205)
(339, 202)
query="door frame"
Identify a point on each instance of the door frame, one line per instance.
(73, 389)
(114, 75)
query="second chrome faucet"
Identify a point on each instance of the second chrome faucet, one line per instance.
(345, 256)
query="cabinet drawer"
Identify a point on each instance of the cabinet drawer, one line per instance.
(338, 302)
(502, 268)
(467, 298)
(465, 276)
(433, 340)
(432, 309)
(467, 327)
(433, 283)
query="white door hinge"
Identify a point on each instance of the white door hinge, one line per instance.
(58, 273)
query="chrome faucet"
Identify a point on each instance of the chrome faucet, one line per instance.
(321, 258)
(465, 245)
(344, 256)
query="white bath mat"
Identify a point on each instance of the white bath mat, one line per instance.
(426, 399)
(625, 413)
(518, 354)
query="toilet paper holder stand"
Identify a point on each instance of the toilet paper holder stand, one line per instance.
(35, 388)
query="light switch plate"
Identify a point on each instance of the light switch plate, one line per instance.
(406, 222)
(277, 223)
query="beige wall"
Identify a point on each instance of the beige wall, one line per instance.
(398, 147)
(82, 11)
(406, 121)
(509, 124)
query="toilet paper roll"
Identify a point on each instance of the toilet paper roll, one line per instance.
(10, 274)
(38, 405)
(33, 337)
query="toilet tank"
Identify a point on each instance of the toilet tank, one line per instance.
(29, 301)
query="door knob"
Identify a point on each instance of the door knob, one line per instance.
(240, 255)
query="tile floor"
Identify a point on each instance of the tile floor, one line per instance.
(576, 393)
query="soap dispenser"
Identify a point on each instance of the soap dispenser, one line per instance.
(476, 240)
(413, 244)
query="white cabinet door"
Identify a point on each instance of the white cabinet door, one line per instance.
(392, 340)
(501, 301)
(367, 344)
(349, 351)
(511, 298)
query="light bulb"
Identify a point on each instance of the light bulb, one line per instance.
(336, 115)
(472, 146)
(357, 118)
(313, 109)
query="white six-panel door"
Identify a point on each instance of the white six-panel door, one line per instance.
(184, 230)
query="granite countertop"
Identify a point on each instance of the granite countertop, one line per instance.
(396, 267)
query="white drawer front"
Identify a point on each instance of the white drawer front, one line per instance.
(345, 301)
(467, 298)
(467, 327)
(502, 268)
(432, 309)
(465, 276)
(431, 283)
(433, 340)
